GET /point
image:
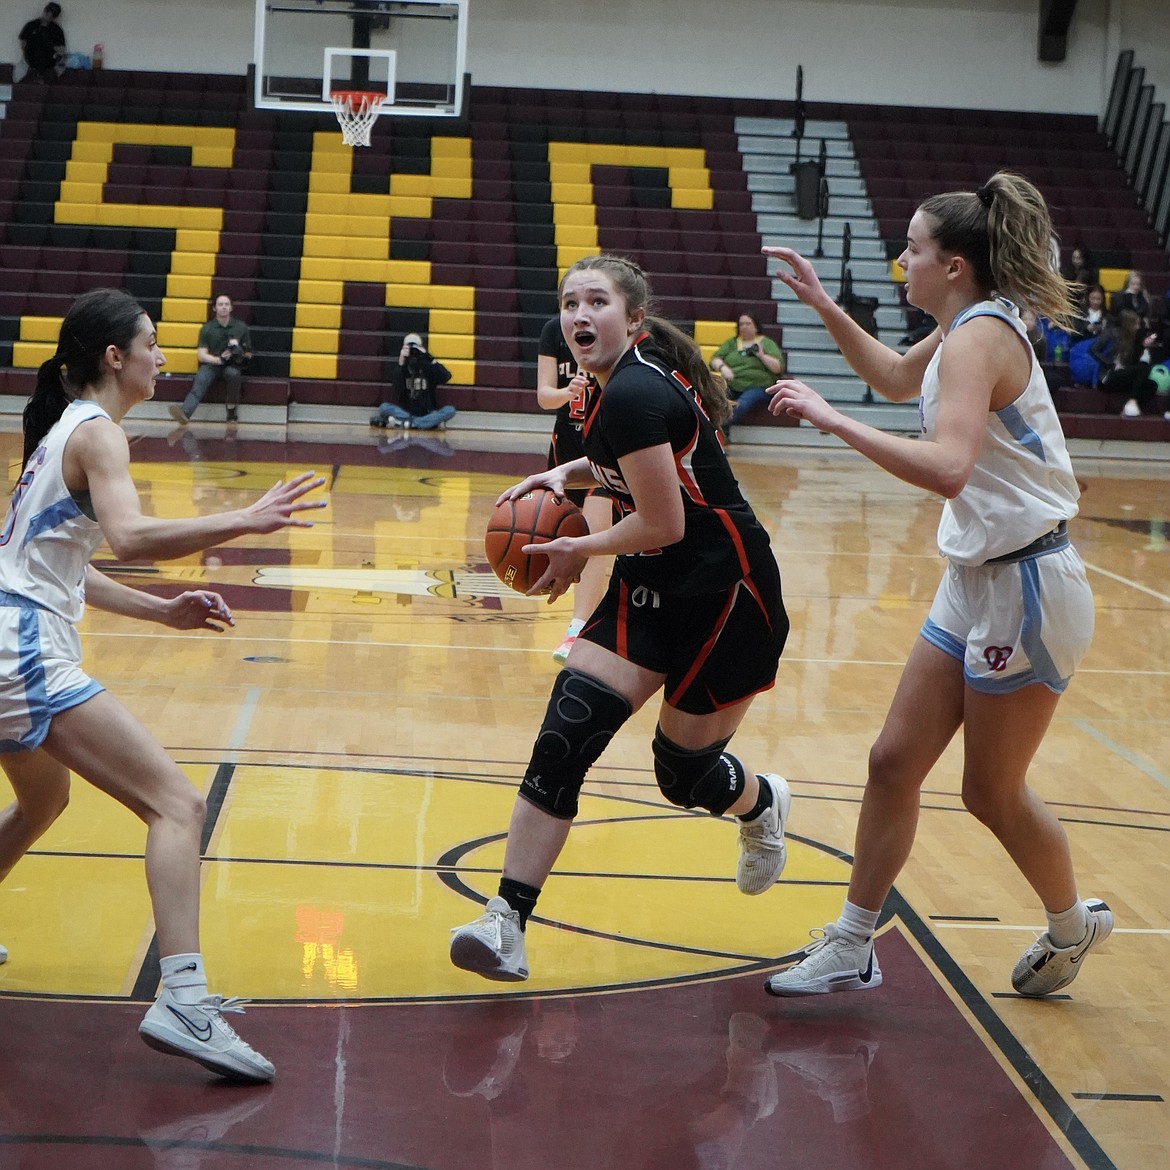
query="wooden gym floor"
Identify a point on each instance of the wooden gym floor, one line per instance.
(360, 735)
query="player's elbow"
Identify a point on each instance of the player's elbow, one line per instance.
(127, 543)
(951, 481)
(670, 531)
(125, 549)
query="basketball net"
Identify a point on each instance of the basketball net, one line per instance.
(356, 112)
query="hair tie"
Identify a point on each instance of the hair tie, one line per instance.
(985, 195)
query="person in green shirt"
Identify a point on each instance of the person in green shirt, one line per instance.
(749, 363)
(225, 348)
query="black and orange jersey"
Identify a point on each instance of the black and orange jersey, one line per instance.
(646, 404)
(566, 442)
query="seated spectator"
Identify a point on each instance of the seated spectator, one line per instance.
(749, 363)
(225, 348)
(42, 44)
(1134, 297)
(416, 379)
(925, 327)
(1121, 352)
(1093, 317)
(1160, 329)
(1080, 270)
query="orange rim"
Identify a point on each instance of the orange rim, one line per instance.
(353, 97)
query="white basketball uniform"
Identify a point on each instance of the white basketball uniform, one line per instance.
(45, 546)
(1014, 605)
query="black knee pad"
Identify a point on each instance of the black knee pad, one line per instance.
(583, 715)
(701, 778)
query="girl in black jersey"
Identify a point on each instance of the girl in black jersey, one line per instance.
(693, 608)
(562, 387)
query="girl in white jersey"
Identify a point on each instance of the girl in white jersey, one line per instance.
(1013, 615)
(76, 490)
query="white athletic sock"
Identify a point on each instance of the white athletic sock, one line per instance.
(183, 976)
(575, 627)
(1067, 928)
(857, 923)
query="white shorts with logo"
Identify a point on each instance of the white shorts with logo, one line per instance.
(1014, 623)
(40, 675)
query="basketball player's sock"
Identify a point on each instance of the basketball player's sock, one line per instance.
(183, 976)
(1067, 928)
(521, 897)
(763, 801)
(857, 923)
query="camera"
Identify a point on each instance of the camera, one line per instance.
(235, 354)
(752, 350)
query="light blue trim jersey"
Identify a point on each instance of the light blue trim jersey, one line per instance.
(47, 541)
(1022, 484)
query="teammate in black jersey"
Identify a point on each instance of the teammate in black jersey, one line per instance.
(693, 608)
(562, 387)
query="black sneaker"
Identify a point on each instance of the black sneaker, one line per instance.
(233, 414)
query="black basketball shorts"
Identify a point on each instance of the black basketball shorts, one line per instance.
(714, 649)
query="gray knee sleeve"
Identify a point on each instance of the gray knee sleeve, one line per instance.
(583, 715)
(701, 778)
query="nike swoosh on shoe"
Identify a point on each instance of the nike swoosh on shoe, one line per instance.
(200, 1033)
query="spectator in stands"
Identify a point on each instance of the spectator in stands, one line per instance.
(1080, 270)
(1094, 316)
(1125, 368)
(925, 327)
(42, 44)
(225, 348)
(1134, 297)
(749, 363)
(416, 379)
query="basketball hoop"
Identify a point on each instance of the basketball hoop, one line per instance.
(356, 112)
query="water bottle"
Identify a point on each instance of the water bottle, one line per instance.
(98, 54)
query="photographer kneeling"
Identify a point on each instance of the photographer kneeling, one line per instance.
(415, 380)
(749, 363)
(225, 348)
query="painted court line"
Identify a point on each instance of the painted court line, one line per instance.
(1126, 581)
(1033, 929)
(1131, 758)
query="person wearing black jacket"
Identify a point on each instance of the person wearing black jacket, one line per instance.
(42, 43)
(416, 379)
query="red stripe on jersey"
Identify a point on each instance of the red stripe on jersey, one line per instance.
(682, 469)
(736, 539)
(708, 646)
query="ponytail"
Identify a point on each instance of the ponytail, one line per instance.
(1005, 233)
(46, 404)
(684, 355)
(95, 321)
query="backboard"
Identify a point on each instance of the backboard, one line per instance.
(414, 51)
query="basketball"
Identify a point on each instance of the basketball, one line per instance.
(1160, 376)
(533, 518)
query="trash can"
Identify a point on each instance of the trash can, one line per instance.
(808, 186)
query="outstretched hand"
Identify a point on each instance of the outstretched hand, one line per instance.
(276, 508)
(792, 397)
(803, 279)
(198, 609)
